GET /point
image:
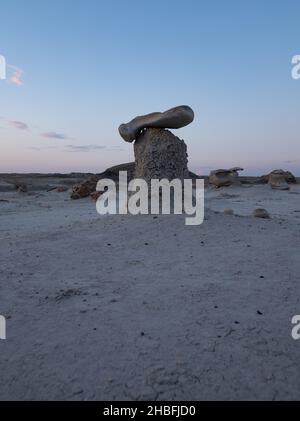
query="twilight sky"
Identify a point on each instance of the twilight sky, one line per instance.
(76, 69)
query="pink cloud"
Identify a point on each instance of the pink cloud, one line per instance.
(54, 135)
(19, 125)
(16, 76)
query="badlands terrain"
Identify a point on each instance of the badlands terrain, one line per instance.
(145, 307)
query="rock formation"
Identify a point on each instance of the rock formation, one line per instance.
(225, 178)
(159, 154)
(288, 176)
(88, 187)
(85, 188)
(172, 119)
(277, 180)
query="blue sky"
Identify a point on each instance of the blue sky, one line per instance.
(77, 69)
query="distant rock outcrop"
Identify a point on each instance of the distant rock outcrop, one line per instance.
(278, 180)
(286, 175)
(224, 178)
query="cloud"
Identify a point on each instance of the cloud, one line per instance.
(54, 135)
(37, 148)
(83, 148)
(291, 161)
(18, 125)
(16, 76)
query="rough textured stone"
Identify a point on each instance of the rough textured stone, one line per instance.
(171, 119)
(159, 154)
(88, 187)
(85, 188)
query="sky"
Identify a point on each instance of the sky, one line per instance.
(77, 69)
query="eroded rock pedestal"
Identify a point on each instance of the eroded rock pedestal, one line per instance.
(159, 154)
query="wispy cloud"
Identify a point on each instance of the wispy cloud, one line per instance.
(19, 125)
(291, 161)
(41, 148)
(16, 75)
(55, 135)
(83, 148)
(75, 148)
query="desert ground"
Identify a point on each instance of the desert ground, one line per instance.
(144, 307)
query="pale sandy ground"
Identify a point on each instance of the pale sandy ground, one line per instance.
(137, 307)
